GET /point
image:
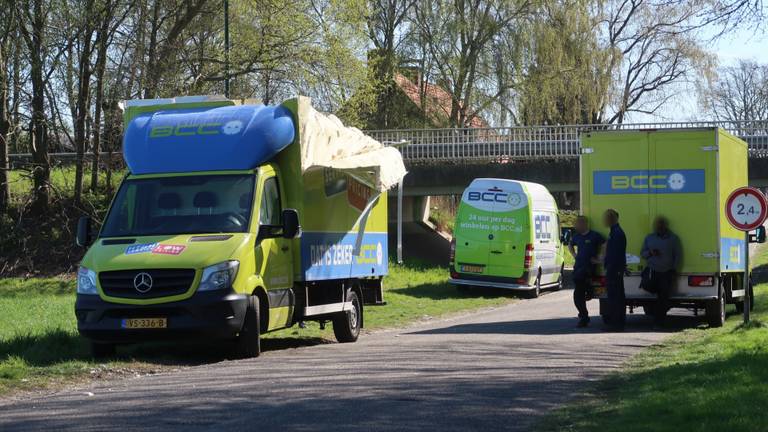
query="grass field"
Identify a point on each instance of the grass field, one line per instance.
(39, 345)
(698, 380)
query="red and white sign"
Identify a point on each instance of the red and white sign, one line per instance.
(746, 208)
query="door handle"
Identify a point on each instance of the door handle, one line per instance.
(496, 252)
(284, 248)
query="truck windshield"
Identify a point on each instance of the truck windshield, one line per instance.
(181, 205)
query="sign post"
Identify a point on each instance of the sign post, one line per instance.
(746, 209)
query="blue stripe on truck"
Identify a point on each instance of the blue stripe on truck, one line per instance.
(326, 255)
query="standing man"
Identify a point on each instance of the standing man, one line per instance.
(585, 247)
(615, 263)
(663, 254)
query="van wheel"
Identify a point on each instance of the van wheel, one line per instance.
(103, 350)
(560, 278)
(715, 310)
(536, 291)
(346, 325)
(248, 343)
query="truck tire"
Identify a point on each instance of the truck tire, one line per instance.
(649, 310)
(102, 350)
(248, 343)
(346, 325)
(716, 310)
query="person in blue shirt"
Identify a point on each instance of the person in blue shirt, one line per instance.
(615, 263)
(585, 248)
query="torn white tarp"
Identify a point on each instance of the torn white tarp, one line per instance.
(327, 143)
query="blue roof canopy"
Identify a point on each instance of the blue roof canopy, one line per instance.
(206, 139)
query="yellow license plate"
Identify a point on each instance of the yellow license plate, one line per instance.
(145, 323)
(471, 269)
(600, 291)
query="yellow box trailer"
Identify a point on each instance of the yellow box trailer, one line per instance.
(686, 176)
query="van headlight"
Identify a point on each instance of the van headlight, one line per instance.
(218, 276)
(86, 281)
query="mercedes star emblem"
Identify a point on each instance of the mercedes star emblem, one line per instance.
(142, 282)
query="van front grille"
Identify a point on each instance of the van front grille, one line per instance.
(146, 283)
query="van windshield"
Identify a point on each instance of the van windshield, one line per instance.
(181, 205)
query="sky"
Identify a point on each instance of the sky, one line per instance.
(741, 44)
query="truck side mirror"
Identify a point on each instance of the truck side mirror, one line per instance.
(83, 238)
(565, 235)
(758, 236)
(291, 227)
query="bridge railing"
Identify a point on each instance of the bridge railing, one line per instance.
(475, 145)
(533, 142)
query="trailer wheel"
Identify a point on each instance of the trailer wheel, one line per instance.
(248, 343)
(102, 350)
(346, 325)
(716, 310)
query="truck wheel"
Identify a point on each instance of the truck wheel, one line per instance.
(248, 343)
(102, 350)
(649, 310)
(716, 311)
(346, 325)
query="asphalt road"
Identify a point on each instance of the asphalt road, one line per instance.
(495, 370)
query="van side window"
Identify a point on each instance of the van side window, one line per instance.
(270, 203)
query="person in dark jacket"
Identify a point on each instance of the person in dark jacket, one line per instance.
(615, 263)
(663, 255)
(585, 247)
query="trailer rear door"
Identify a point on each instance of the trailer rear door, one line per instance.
(615, 175)
(683, 180)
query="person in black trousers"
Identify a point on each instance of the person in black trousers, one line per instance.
(585, 247)
(615, 263)
(663, 254)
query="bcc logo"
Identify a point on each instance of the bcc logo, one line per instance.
(229, 128)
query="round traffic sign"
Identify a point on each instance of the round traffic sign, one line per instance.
(746, 208)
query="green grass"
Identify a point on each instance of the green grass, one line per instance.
(40, 347)
(698, 380)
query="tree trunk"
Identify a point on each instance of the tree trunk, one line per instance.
(5, 126)
(41, 165)
(101, 60)
(82, 104)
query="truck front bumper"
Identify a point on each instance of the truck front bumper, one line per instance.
(206, 315)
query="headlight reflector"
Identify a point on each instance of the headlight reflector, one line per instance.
(86, 281)
(219, 276)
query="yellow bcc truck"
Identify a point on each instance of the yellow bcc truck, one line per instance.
(236, 219)
(686, 176)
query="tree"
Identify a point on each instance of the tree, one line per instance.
(6, 31)
(33, 17)
(566, 79)
(655, 46)
(738, 93)
(458, 36)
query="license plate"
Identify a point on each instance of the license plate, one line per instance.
(471, 268)
(600, 291)
(145, 323)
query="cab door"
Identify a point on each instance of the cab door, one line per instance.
(274, 258)
(472, 233)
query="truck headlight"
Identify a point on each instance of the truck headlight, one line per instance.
(86, 281)
(219, 276)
